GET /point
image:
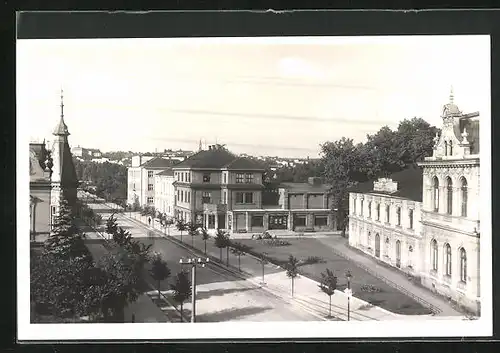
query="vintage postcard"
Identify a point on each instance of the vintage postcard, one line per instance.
(291, 187)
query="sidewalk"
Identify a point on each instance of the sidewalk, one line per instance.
(306, 291)
(338, 244)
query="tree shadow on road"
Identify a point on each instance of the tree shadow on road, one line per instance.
(230, 314)
(219, 292)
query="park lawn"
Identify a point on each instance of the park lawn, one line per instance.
(362, 282)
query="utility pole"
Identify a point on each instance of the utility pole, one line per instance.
(194, 263)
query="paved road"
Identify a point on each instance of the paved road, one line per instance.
(220, 295)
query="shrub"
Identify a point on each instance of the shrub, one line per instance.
(312, 260)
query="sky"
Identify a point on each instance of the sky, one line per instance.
(261, 96)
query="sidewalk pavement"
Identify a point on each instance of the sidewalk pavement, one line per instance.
(306, 291)
(338, 244)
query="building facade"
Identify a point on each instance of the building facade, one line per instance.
(52, 177)
(164, 201)
(440, 241)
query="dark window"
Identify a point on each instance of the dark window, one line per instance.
(248, 178)
(387, 214)
(239, 197)
(150, 173)
(435, 194)
(206, 177)
(299, 221)
(240, 177)
(206, 197)
(354, 201)
(447, 248)
(398, 213)
(361, 210)
(449, 196)
(224, 197)
(410, 216)
(370, 209)
(463, 196)
(320, 221)
(257, 221)
(249, 197)
(150, 200)
(463, 265)
(225, 178)
(378, 212)
(150, 187)
(434, 249)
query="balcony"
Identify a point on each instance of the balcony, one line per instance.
(214, 207)
(462, 223)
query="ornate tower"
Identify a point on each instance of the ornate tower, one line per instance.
(63, 180)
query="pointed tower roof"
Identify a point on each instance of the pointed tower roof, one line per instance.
(61, 128)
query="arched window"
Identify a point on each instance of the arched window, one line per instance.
(435, 194)
(388, 213)
(463, 197)
(463, 265)
(434, 254)
(378, 211)
(450, 146)
(410, 217)
(370, 209)
(445, 148)
(398, 213)
(447, 250)
(449, 196)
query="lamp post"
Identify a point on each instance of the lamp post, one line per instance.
(348, 291)
(194, 262)
(263, 261)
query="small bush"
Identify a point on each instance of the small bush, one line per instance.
(370, 288)
(312, 260)
(276, 242)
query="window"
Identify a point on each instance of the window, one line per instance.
(361, 210)
(206, 177)
(257, 221)
(370, 209)
(206, 197)
(449, 196)
(388, 213)
(377, 208)
(249, 178)
(178, 194)
(224, 197)
(188, 177)
(410, 218)
(320, 221)
(244, 197)
(463, 197)
(354, 206)
(398, 213)
(188, 196)
(150, 173)
(447, 249)
(150, 187)
(133, 186)
(434, 256)
(239, 178)
(463, 265)
(450, 145)
(299, 221)
(445, 148)
(435, 194)
(150, 200)
(182, 195)
(224, 175)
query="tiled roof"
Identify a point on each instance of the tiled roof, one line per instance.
(409, 185)
(305, 187)
(214, 158)
(68, 172)
(168, 172)
(244, 163)
(159, 163)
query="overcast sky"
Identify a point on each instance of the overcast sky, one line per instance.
(260, 96)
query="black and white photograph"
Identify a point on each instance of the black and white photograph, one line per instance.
(265, 187)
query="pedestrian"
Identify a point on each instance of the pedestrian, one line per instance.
(149, 221)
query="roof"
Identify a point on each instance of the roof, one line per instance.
(61, 128)
(68, 172)
(37, 158)
(158, 163)
(167, 172)
(410, 185)
(209, 159)
(305, 187)
(244, 163)
(472, 128)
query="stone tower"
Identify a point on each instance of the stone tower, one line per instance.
(64, 181)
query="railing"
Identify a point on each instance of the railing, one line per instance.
(464, 223)
(433, 308)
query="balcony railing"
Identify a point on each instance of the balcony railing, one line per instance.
(214, 207)
(463, 223)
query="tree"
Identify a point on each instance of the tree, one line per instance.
(415, 140)
(328, 285)
(292, 269)
(159, 271)
(193, 231)
(181, 226)
(181, 288)
(239, 249)
(341, 161)
(65, 239)
(205, 236)
(136, 206)
(221, 241)
(122, 237)
(111, 225)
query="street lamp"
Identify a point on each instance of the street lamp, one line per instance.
(194, 262)
(348, 292)
(263, 261)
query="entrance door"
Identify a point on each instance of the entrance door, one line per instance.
(398, 254)
(278, 222)
(221, 221)
(377, 245)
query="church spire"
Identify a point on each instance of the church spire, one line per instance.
(61, 128)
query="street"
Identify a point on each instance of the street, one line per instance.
(221, 296)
